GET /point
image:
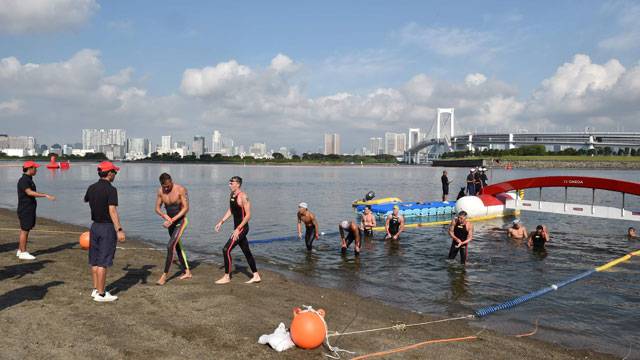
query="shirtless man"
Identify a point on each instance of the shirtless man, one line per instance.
(352, 234)
(175, 199)
(517, 230)
(309, 220)
(368, 222)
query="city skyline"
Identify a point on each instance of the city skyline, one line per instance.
(376, 69)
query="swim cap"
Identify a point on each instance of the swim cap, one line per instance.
(344, 224)
(396, 207)
(303, 205)
(516, 221)
(473, 170)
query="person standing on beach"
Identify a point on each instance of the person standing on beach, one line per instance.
(306, 217)
(352, 234)
(106, 229)
(240, 209)
(176, 204)
(27, 204)
(461, 233)
(445, 185)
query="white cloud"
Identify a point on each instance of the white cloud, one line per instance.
(283, 64)
(209, 80)
(23, 16)
(474, 79)
(10, 107)
(446, 41)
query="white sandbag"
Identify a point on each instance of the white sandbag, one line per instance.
(280, 340)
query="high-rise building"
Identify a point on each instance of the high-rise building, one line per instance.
(96, 138)
(414, 137)
(376, 146)
(18, 142)
(258, 149)
(198, 146)
(138, 148)
(216, 142)
(395, 143)
(332, 144)
(166, 144)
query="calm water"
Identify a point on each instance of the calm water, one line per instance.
(600, 312)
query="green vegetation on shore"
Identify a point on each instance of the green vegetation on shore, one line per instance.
(276, 159)
(539, 153)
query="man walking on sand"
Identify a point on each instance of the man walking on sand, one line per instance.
(105, 230)
(240, 209)
(27, 204)
(175, 199)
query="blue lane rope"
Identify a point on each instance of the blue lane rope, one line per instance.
(521, 299)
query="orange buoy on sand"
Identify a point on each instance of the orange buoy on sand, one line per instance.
(84, 240)
(308, 328)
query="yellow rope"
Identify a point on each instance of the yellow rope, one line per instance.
(399, 326)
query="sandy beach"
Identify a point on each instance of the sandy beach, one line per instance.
(46, 311)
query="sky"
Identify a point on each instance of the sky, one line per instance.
(285, 72)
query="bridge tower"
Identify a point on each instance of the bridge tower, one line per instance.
(445, 116)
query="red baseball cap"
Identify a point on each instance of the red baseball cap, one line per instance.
(107, 166)
(30, 164)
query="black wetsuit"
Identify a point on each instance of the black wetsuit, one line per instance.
(309, 235)
(176, 230)
(238, 215)
(538, 241)
(461, 232)
(351, 237)
(477, 182)
(445, 185)
(394, 225)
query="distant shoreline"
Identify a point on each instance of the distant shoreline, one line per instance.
(548, 162)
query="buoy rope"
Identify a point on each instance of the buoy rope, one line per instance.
(399, 327)
(414, 346)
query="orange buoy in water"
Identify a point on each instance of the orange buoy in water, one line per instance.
(84, 240)
(308, 329)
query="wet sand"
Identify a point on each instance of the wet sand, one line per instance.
(46, 311)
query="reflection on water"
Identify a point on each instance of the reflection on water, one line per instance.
(600, 312)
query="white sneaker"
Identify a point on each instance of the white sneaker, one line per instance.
(18, 253)
(26, 256)
(106, 298)
(94, 293)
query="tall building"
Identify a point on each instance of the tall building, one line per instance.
(138, 148)
(198, 146)
(165, 146)
(332, 144)
(216, 142)
(414, 137)
(258, 149)
(376, 146)
(97, 138)
(18, 142)
(395, 143)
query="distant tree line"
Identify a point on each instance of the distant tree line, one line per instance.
(276, 158)
(540, 150)
(87, 157)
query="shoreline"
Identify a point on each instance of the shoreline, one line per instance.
(195, 318)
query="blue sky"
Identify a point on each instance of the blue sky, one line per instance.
(338, 47)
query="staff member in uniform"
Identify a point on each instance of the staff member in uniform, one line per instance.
(27, 204)
(105, 230)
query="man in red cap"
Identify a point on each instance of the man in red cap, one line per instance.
(105, 230)
(27, 204)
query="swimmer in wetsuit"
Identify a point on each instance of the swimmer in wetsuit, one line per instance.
(306, 217)
(517, 230)
(352, 234)
(175, 199)
(394, 224)
(240, 209)
(368, 221)
(539, 238)
(461, 233)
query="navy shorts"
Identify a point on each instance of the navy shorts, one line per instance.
(27, 218)
(102, 247)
